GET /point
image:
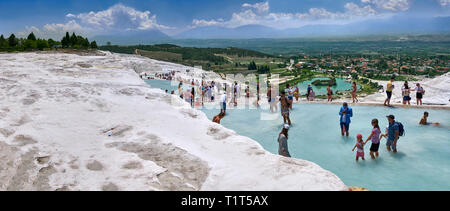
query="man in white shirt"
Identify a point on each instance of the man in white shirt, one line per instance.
(223, 102)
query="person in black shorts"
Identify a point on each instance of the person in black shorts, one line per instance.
(375, 138)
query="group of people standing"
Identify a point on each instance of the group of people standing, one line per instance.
(406, 92)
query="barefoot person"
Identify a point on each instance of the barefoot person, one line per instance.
(360, 146)
(375, 138)
(393, 133)
(219, 117)
(424, 120)
(285, 104)
(419, 93)
(296, 93)
(308, 91)
(389, 89)
(354, 89)
(282, 142)
(329, 93)
(346, 113)
(290, 94)
(405, 93)
(223, 103)
(193, 97)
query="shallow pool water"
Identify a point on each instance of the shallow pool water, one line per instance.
(423, 161)
(341, 85)
(167, 85)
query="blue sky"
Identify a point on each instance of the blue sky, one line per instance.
(50, 18)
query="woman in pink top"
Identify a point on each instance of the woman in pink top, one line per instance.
(375, 138)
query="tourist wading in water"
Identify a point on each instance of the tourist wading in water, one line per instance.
(285, 105)
(389, 89)
(360, 146)
(375, 138)
(223, 103)
(392, 134)
(424, 120)
(346, 113)
(290, 94)
(282, 142)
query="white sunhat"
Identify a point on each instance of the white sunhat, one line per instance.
(286, 126)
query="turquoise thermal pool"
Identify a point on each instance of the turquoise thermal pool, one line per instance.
(422, 163)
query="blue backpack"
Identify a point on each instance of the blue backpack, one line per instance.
(401, 129)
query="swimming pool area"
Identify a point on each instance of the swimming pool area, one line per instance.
(341, 85)
(422, 162)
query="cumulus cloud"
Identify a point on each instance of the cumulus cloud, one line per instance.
(444, 3)
(390, 5)
(55, 31)
(260, 7)
(119, 17)
(116, 18)
(259, 14)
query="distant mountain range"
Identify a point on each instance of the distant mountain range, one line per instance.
(369, 27)
(132, 37)
(390, 26)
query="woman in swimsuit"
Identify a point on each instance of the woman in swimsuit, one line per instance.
(354, 89)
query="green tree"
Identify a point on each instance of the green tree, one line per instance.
(51, 43)
(94, 45)
(65, 42)
(31, 37)
(30, 44)
(42, 44)
(12, 41)
(252, 66)
(3, 42)
(73, 39)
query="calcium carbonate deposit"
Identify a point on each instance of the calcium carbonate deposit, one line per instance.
(71, 122)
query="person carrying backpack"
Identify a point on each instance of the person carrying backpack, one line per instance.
(394, 131)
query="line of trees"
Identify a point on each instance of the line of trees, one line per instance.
(77, 42)
(12, 43)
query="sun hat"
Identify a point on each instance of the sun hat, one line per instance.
(286, 126)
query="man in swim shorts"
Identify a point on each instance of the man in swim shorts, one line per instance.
(285, 104)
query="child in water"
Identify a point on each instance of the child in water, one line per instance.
(375, 138)
(360, 146)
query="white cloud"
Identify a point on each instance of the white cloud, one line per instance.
(444, 3)
(55, 31)
(260, 7)
(115, 18)
(259, 14)
(119, 17)
(390, 5)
